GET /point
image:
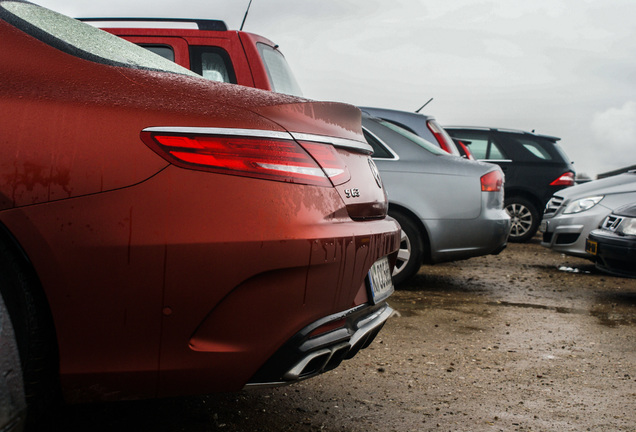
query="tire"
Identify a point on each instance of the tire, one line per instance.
(524, 219)
(34, 336)
(411, 253)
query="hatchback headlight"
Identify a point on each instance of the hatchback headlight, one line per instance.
(627, 226)
(582, 204)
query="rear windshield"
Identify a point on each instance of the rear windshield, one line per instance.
(279, 73)
(82, 40)
(529, 148)
(414, 138)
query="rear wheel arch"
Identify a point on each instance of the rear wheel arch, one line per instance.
(33, 327)
(529, 196)
(415, 239)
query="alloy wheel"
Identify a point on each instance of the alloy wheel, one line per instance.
(520, 219)
(404, 254)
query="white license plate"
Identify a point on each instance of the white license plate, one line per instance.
(380, 282)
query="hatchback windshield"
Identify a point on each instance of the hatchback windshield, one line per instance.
(82, 40)
(415, 138)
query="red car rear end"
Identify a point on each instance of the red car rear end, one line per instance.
(180, 236)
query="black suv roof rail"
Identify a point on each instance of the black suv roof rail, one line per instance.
(518, 131)
(202, 24)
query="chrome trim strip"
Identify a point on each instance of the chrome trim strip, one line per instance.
(258, 133)
(371, 323)
(494, 160)
(336, 142)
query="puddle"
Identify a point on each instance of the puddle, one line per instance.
(608, 314)
(410, 303)
(557, 309)
(614, 309)
(610, 311)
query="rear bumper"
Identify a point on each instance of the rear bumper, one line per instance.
(182, 285)
(306, 354)
(457, 239)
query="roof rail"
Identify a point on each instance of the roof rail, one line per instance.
(202, 24)
(517, 131)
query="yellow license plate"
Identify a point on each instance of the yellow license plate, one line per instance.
(591, 247)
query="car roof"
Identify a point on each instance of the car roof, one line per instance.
(517, 131)
(377, 112)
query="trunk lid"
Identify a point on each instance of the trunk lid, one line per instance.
(337, 125)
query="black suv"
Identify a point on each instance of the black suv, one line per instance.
(534, 165)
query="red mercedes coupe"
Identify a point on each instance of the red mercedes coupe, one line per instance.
(161, 234)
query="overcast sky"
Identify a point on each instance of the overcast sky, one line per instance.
(559, 67)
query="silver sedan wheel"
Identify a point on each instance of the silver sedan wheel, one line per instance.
(520, 219)
(404, 254)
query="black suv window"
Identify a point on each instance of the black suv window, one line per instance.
(480, 144)
(529, 148)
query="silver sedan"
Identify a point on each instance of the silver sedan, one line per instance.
(449, 208)
(575, 211)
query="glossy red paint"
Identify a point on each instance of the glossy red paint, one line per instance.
(163, 280)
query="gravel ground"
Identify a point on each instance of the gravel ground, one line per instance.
(529, 340)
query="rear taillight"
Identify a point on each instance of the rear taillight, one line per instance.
(566, 179)
(492, 182)
(251, 156)
(440, 135)
(328, 158)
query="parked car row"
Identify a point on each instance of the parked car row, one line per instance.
(432, 232)
(534, 165)
(572, 216)
(164, 231)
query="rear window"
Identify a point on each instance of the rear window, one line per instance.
(212, 63)
(480, 144)
(82, 40)
(164, 51)
(430, 147)
(379, 151)
(529, 148)
(278, 71)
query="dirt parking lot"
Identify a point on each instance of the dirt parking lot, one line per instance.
(529, 340)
